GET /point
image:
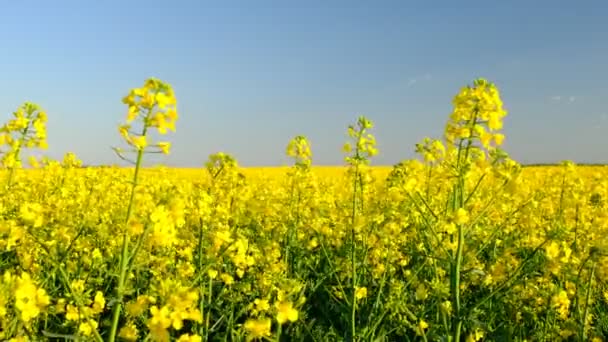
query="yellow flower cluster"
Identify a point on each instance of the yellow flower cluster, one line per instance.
(299, 149)
(22, 297)
(478, 114)
(449, 246)
(27, 129)
(154, 106)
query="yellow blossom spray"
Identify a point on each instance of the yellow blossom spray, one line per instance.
(26, 130)
(152, 106)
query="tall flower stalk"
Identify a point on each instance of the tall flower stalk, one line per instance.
(361, 148)
(299, 150)
(151, 106)
(471, 128)
(26, 130)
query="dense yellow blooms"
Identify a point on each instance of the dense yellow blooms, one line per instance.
(462, 243)
(286, 312)
(258, 328)
(29, 299)
(26, 130)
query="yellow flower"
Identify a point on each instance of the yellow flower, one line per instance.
(159, 323)
(164, 147)
(212, 273)
(449, 227)
(446, 307)
(77, 286)
(29, 300)
(189, 338)
(261, 304)
(561, 303)
(132, 113)
(135, 228)
(128, 332)
(3, 305)
(87, 327)
(162, 100)
(258, 328)
(124, 131)
(462, 216)
(99, 302)
(34, 162)
(19, 339)
(227, 279)
(361, 292)
(32, 213)
(139, 142)
(286, 312)
(552, 250)
(485, 138)
(72, 313)
(421, 293)
(494, 122)
(475, 336)
(422, 326)
(499, 139)
(138, 307)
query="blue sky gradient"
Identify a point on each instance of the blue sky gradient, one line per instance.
(250, 75)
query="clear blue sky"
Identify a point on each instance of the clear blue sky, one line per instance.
(250, 75)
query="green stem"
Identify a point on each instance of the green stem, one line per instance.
(353, 237)
(200, 270)
(290, 228)
(583, 331)
(458, 202)
(124, 256)
(456, 284)
(209, 310)
(17, 156)
(279, 330)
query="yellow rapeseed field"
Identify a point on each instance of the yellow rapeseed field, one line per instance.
(461, 244)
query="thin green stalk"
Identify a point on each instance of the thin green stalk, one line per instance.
(334, 270)
(200, 267)
(458, 202)
(293, 223)
(353, 324)
(124, 256)
(17, 156)
(456, 284)
(209, 312)
(353, 260)
(279, 331)
(583, 331)
(428, 181)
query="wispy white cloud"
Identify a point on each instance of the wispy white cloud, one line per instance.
(601, 121)
(559, 98)
(417, 79)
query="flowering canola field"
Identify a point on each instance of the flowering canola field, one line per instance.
(460, 244)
